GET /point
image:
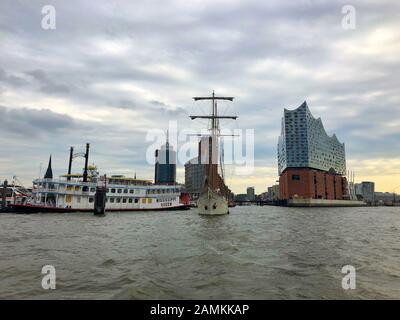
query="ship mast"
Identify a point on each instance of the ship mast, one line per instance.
(215, 132)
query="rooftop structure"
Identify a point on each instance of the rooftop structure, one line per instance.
(304, 143)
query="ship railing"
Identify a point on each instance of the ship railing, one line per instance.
(45, 190)
(62, 191)
(64, 182)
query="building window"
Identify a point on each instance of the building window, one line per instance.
(296, 177)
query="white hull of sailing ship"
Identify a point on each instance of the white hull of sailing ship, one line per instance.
(212, 204)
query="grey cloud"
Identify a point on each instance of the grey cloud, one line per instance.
(46, 84)
(163, 107)
(30, 122)
(13, 80)
(217, 45)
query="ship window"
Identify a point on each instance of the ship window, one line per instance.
(112, 200)
(68, 187)
(131, 191)
(112, 190)
(78, 199)
(124, 200)
(144, 200)
(118, 200)
(119, 190)
(108, 190)
(296, 177)
(91, 199)
(92, 189)
(68, 198)
(125, 190)
(130, 200)
(136, 200)
(77, 188)
(150, 200)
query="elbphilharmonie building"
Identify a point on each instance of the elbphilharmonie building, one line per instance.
(311, 163)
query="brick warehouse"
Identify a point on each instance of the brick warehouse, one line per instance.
(311, 183)
(311, 164)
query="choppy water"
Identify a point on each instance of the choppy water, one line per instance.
(254, 253)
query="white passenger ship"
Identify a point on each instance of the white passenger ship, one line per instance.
(71, 194)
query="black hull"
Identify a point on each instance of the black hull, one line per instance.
(29, 209)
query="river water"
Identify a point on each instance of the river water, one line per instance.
(253, 253)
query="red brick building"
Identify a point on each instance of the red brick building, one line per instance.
(312, 183)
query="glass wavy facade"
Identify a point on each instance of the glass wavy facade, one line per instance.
(304, 143)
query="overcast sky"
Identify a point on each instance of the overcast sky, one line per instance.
(112, 70)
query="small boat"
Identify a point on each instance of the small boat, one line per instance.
(231, 204)
(13, 194)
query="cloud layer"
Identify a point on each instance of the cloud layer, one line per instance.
(111, 71)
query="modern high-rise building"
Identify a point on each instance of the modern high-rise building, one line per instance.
(366, 191)
(196, 169)
(311, 164)
(251, 195)
(165, 166)
(194, 177)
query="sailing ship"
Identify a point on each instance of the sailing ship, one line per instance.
(214, 198)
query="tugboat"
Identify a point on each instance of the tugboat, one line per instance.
(214, 198)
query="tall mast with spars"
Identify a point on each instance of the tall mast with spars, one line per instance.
(215, 132)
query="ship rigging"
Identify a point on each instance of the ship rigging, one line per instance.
(213, 199)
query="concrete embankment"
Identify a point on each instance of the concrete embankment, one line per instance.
(324, 203)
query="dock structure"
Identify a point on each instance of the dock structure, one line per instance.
(4, 194)
(100, 197)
